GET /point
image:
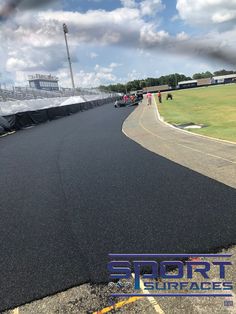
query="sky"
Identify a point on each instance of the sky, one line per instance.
(115, 41)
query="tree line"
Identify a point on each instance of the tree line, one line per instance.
(171, 80)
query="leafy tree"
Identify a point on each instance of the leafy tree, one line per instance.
(202, 75)
(223, 72)
(171, 80)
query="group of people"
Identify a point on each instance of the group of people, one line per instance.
(132, 98)
(149, 98)
(127, 98)
(159, 95)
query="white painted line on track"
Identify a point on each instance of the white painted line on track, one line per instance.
(186, 132)
(158, 117)
(140, 123)
(211, 155)
(218, 140)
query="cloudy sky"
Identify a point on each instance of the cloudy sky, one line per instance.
(115, 40)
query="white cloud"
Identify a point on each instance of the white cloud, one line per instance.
(115, 65)
(215, 19)
(132, 75)
(146, 7)
(150, 37)
(151, 7)
(143, 53)
(129, 3)
(100, 69)
(82, 78)
(97, 26)
(100, 75)
(93, 79)
(225, 16)
(182, 36)
(26, 58)
(15, 63)
(207, 12)
(34, 41)
(93, 55)
(175, 18)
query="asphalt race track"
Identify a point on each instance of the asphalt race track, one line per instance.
(75, 189)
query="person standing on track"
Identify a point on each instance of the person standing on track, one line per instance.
(149, 99)
(159, 97)
(125, 98)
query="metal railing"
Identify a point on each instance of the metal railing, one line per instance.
(27, 93)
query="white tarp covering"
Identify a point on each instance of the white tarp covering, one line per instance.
(12, 107)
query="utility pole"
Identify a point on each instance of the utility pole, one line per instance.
(65, 29)
(126, 89)
(176, 81)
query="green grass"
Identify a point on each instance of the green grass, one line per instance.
(214, 107)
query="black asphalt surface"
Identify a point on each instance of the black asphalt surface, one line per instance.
(76, 189)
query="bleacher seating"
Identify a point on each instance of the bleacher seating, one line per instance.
(25, 93)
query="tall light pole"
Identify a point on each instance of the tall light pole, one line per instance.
(176, 81)
(65, 29)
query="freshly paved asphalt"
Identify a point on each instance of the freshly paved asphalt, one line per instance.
(76, 189)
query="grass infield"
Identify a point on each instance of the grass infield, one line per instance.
(214, 107)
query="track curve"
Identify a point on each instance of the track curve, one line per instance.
(76, 189)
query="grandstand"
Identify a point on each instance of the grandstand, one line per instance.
(27, 93)
(21, 99)
(44, 82)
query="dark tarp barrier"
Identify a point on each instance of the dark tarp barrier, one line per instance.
(75, 108)
(85, 107)
(39, 116)
(2, 130)
(5, 125)
(11, 120)
(26, 119)
(57, 112)
(23, 120)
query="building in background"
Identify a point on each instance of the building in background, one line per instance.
(204, 81)
(224, 79)
(44, 82)
(153, 89)
(187, 84)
